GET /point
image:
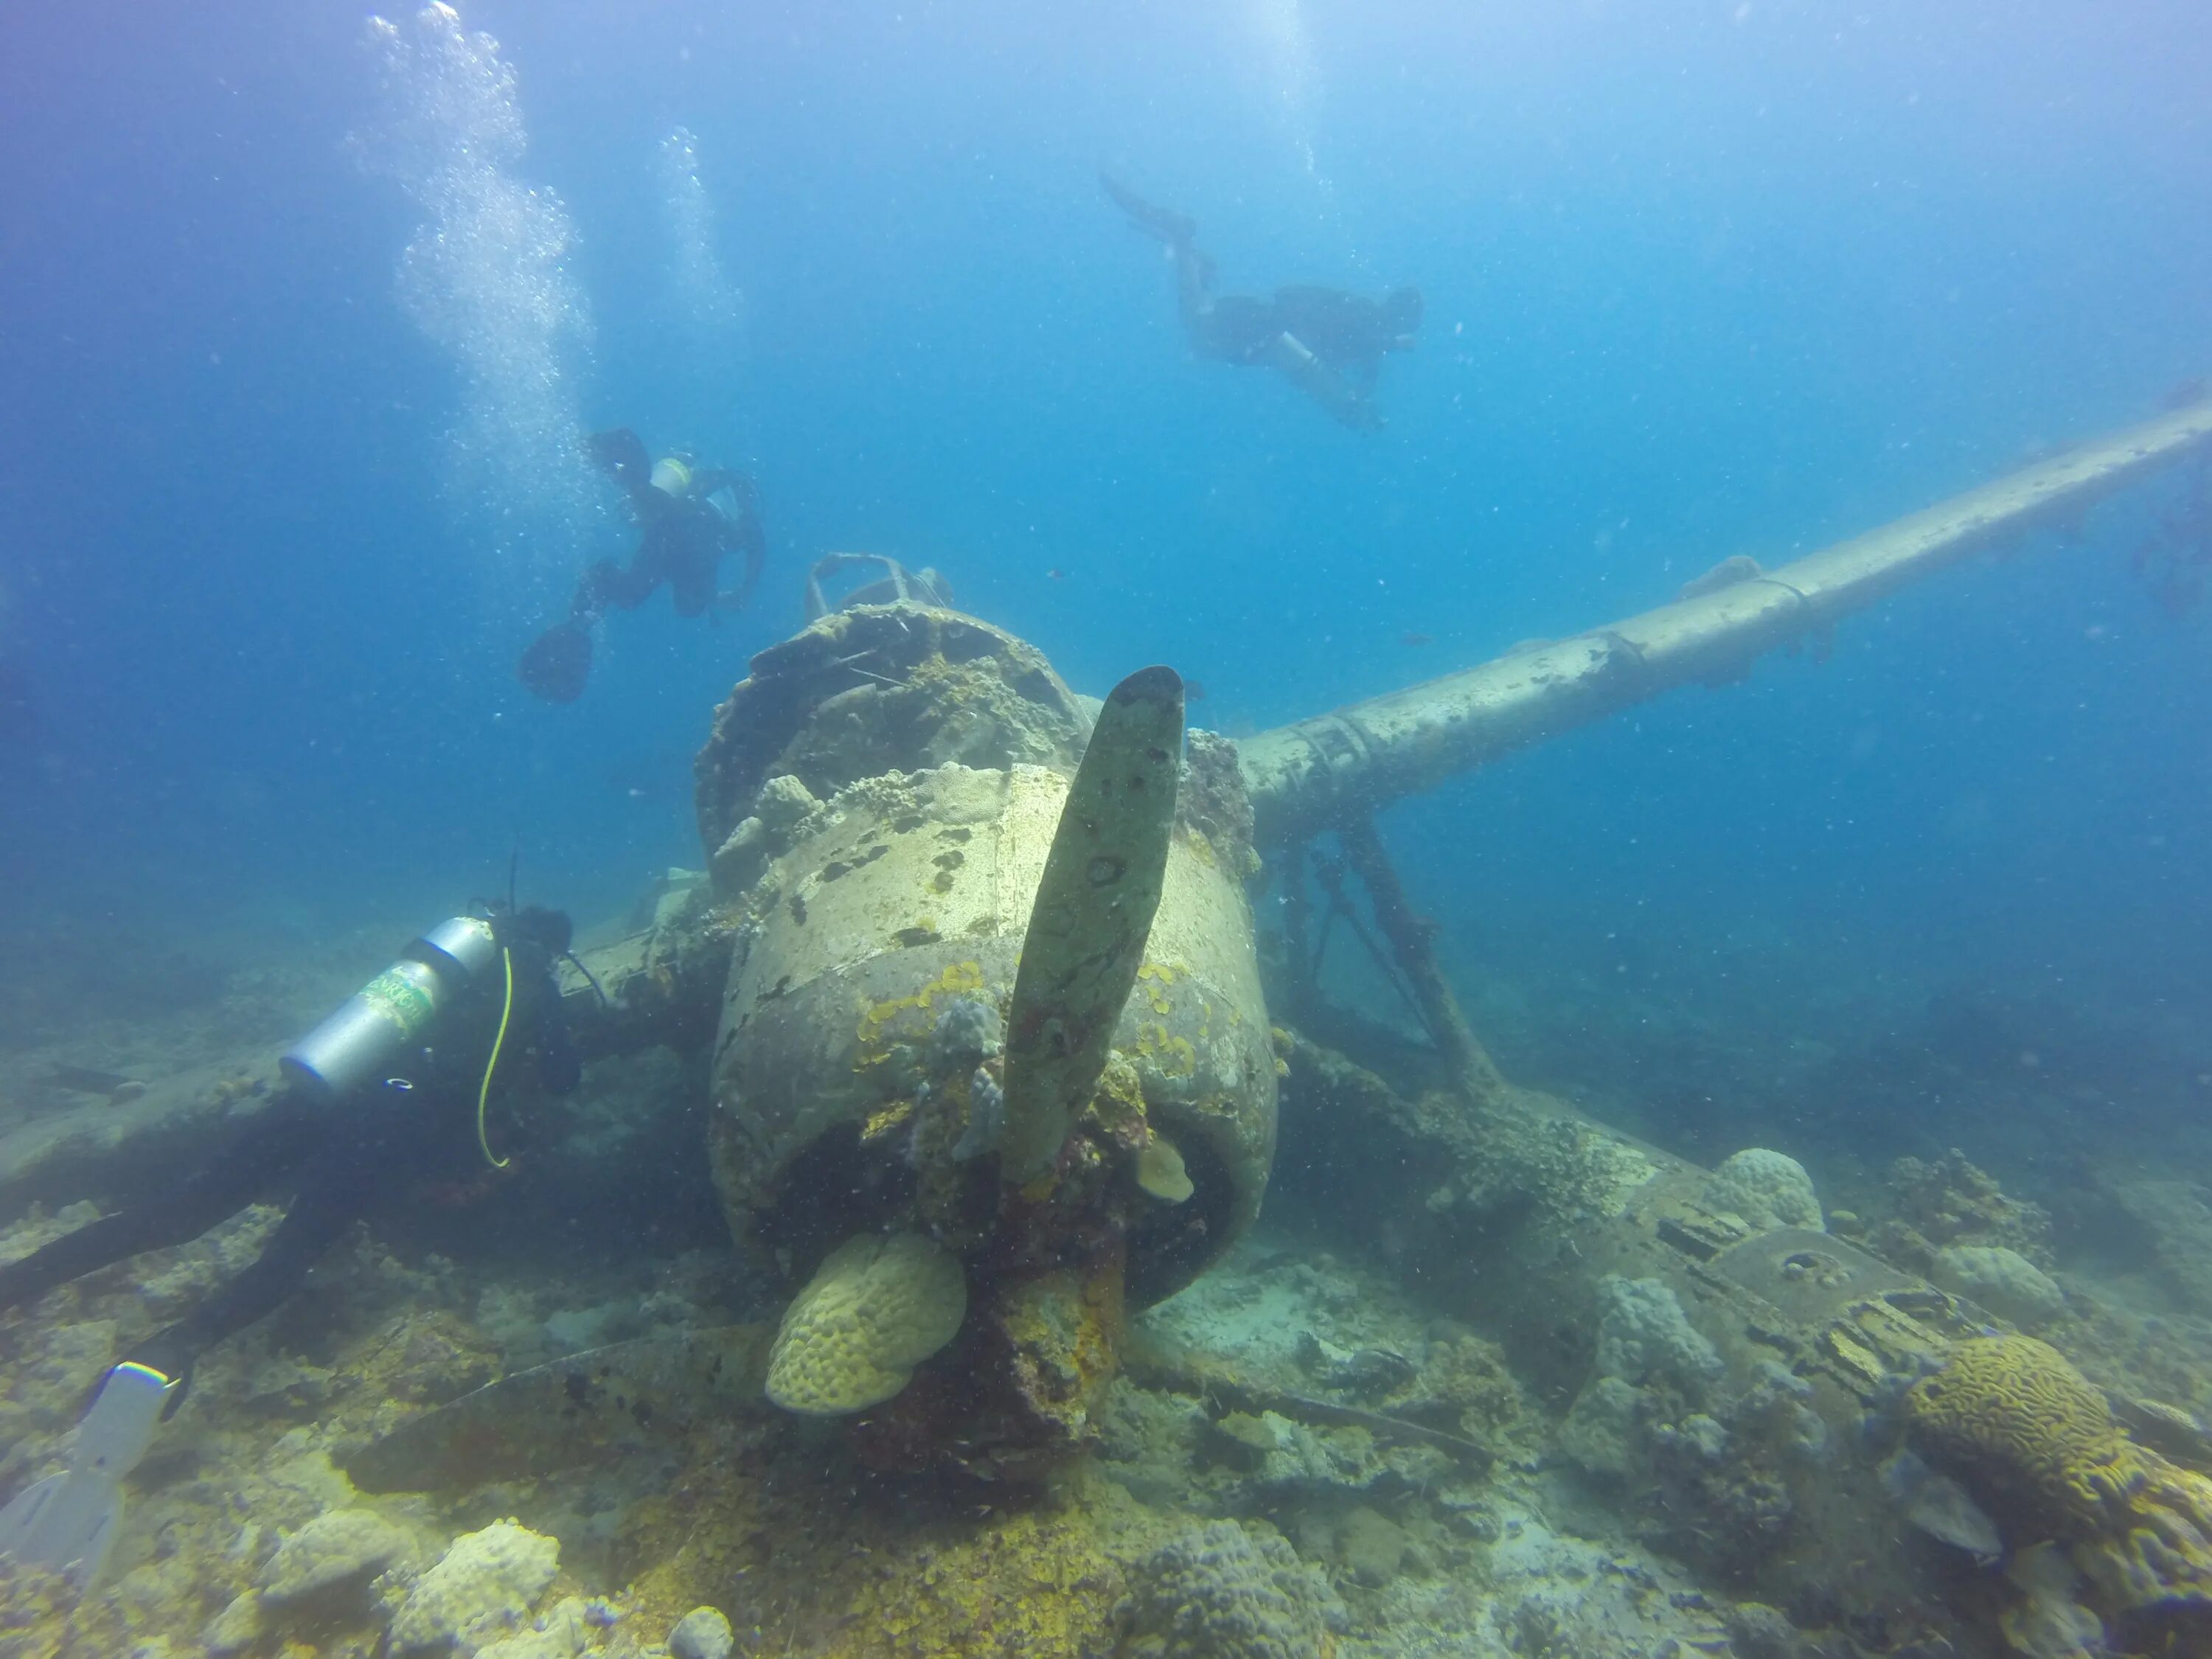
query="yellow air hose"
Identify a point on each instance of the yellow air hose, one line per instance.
(483, 1094)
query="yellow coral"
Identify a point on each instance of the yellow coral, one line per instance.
(875, 1309)
(1161, 1171)
(2161, 1557)
(2019, 1424)
(1043, 1584)
(1066, 1329)
(880, 1024)
(1173, 1056)
(2034, 1439)
(897, 1115)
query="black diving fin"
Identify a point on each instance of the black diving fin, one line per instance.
(558, 664)
(1175, 229)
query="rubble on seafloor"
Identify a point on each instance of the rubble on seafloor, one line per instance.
(1377, 1482)
(244, 1536)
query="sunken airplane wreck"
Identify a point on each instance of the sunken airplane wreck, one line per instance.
(991, 1068)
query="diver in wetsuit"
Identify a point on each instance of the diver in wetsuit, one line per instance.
(1327, 342)
(691, 516)
(411, 1107)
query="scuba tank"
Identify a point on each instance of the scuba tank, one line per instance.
(724, 500)
(671, 477)
(392, 1012)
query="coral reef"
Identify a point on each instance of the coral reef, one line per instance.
(1712, 1472)
(1371, 1547)
(1767, 1189)
(1723, 1477)
(761, 1522)
(2040, 1446)
(2014, 1421)
(482, 1587)
(2002, 1281)
(969, 1030)
(702, 1633)
(1644, 1337)
(1222, 1592)
(1950, 1201)
(875, 1309)
(332, 1549)
(1601, 1430)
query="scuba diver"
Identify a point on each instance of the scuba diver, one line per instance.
(391, 1088)
(691, 516)
(1327, 342)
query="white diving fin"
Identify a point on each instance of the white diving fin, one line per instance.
(68, 1522)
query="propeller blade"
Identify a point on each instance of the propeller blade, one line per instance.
(1093, 911)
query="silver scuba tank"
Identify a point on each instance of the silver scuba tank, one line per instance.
(725, 502)
(391, 1012)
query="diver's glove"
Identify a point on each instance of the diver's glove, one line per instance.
(68, 1522)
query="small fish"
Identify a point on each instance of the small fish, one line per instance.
(1055, 575)
(1415, 638)
(1193, 691)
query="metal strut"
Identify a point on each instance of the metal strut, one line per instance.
(1413, 944)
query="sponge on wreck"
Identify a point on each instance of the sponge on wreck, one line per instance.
(876, 1307)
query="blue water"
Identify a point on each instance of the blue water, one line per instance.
(1702, 279)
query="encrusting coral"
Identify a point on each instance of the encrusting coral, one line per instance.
(1220, 1592)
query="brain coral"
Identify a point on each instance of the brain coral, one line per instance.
(1221, 1593)
(2040, 1446)
(2029, 1434)
(876, 1308)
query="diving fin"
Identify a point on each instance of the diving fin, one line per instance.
(68, 1522)
(1092, 914)
(558, 663)
(1175, 229)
